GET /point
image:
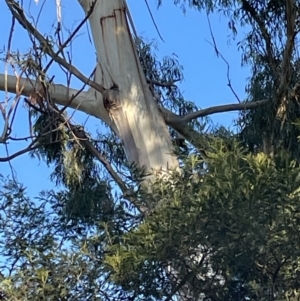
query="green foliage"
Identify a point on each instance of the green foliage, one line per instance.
(240, 218)
(53, 138)
(229, 226)
(44, 257)
(163, 77)
(279, 122)
(86, 202)
(87, 197)
(227, 223)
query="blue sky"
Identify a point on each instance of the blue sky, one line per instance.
(186, 35)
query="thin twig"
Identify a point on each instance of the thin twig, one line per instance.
(69, 39)
(18, 13)
(265, 34)
(219, 54)
(151, 15)
(162, 84)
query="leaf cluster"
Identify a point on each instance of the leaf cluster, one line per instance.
(231, 231)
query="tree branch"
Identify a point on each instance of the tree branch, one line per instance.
(223, 109)
(162, 84)
(29, 148)
(265, 34)
(84, 101)
(180, 123)
(219, 54)
(18, 13)
(288, 49)
(80, 134)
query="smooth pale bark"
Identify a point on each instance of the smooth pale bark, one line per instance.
(140, 125)
(134, 116)
(84, 101)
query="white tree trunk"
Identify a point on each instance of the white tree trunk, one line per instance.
(131, 106)
(141, 127)
(127, 106)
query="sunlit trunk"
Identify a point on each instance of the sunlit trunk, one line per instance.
(131, 106)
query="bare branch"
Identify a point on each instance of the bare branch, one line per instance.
(199, 140)
(80, 134)
(19, 153)
(6, 128)
(69, 39)
(84, 101)
(218, 53)
(223, 109)
(18, 13)
(180, 123)
(151, 15)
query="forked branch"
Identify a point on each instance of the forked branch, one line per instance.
(18, 13)
(84, 101)
(222, 109)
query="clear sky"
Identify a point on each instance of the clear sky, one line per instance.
(187, 36)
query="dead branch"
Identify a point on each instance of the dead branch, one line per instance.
(219, 54)
(18, 13)
(72, 35)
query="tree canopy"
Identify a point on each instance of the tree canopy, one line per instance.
(217, 220)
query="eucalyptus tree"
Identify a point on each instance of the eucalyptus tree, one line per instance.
(139, 102)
